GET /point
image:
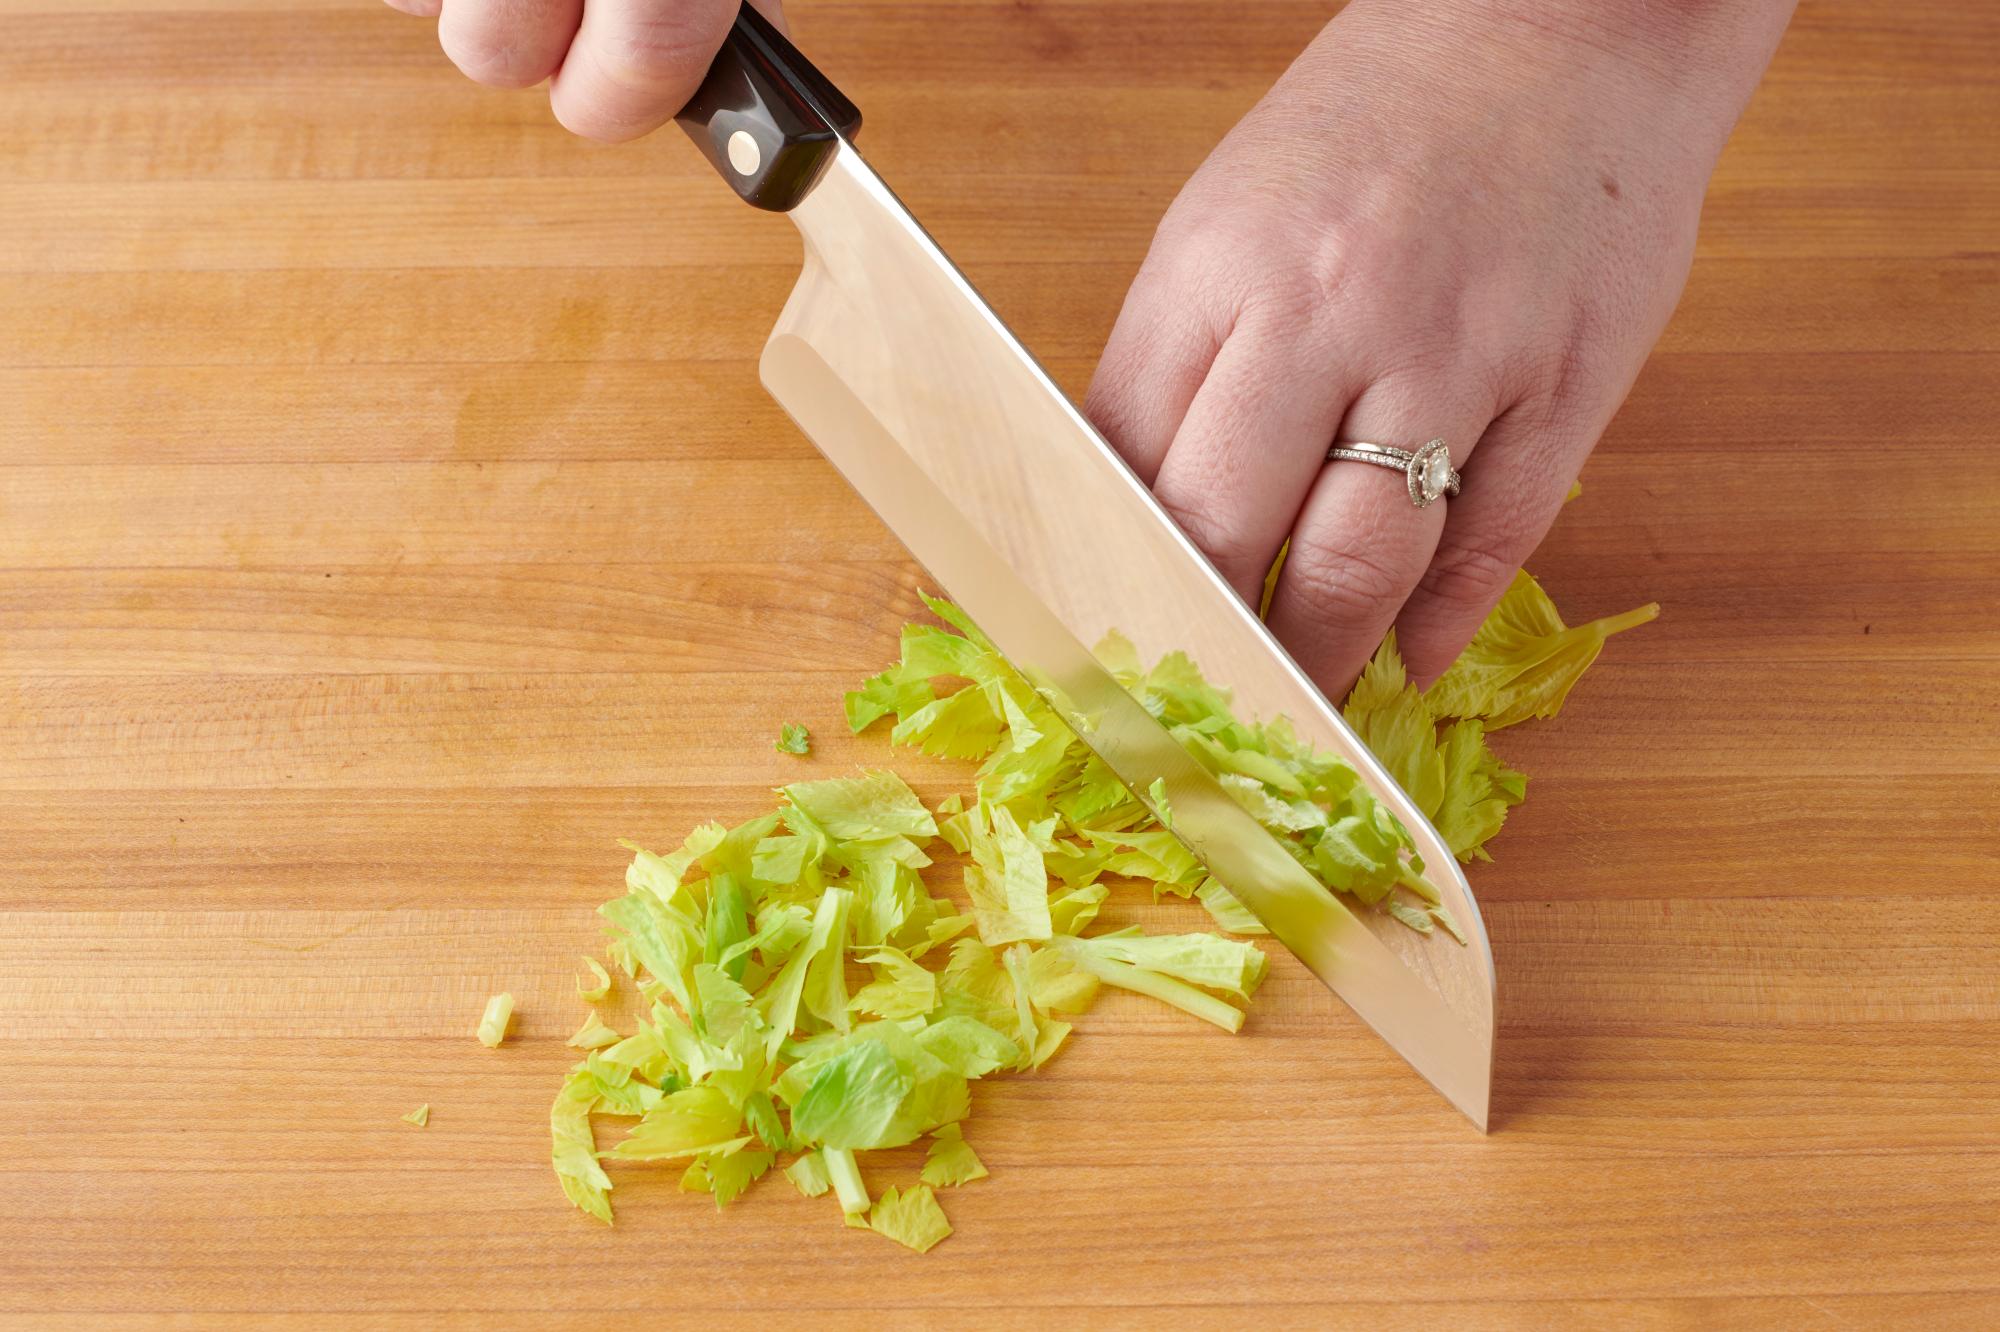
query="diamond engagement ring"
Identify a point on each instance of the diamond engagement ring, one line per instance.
(1428, 470)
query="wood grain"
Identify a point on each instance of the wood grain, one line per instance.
(390, 520)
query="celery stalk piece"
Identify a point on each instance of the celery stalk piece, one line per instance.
(493, 1023)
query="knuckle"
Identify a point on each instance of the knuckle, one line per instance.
(1226, 547)
(1342, 587)
(1467, 576)
(486, 54)
(664, 47)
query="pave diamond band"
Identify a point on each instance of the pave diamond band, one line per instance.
(1428, 469)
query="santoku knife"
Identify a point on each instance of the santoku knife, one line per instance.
(915, 390)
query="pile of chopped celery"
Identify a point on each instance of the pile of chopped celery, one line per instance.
(810, 993)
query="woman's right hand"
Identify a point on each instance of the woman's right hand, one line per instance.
(617, 69)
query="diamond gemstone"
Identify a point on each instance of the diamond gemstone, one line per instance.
(1437, 473)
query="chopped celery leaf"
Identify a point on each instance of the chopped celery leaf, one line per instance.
(951, 1159)
(1524, 659)
(913, 1219)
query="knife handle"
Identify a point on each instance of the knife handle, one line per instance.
(766, 120)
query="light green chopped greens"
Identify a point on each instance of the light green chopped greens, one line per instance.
(494, 1021)
(808, 1175)
(1524, 660)
(912, 1218)
(422, 1116)
(793, 739)
(951, 1159)
(593, 1035)
(592, 994)
(752, 1045)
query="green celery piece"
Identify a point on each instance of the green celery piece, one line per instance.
(1007, 881)
(1229, 913)
(574, 1148)
(1073, 911)
(1162, 809)
(1231, 965)
(951, 1159)
(593, 1034)
(967, 1046)
(661, 875)
(781, 928)
(734, 851)
(781, 861)
(1054, 1032)
(901, 988)
(887, 896)
(694, 1119)
(728, 924)
(912, 1218)
(974, 984)
(875, 804)
(663, 934)
(825, 992)
(852, 1098)
(892, 692)
(1152, 853)
(1166, 989)
(1280, 813)
(596, 993)
(731, 1172)
(846, 1178)
(618, 1092)
(1016, 961)
(1416, 917)
(962, 725)
(780, 999)
(957, 619)
(762, 1117)
(942, 929)
(808, 1175)
(1056, 983)
(1479, 790)
(1393, 720)
(1523, 661)
(793, 739)
(420, 1116)
(493, 1023)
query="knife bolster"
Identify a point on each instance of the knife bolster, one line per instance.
(765, 119)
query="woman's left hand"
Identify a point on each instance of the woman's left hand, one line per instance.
(1451, 219)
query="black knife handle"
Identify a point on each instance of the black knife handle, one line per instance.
(766, 120)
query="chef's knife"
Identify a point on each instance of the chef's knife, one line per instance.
(891, 363)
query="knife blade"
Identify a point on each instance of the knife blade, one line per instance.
(917, 392)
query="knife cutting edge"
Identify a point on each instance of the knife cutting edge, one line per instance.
(919, 395)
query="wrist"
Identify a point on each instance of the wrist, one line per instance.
(1717, 48)
(1683, 67)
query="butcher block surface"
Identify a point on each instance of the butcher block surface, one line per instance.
(390, 520)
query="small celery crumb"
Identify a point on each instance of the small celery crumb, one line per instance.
(793, 739)
(419, 1116)
(592, 994)
(494, 1021)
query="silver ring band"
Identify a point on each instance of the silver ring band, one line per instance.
(1427, 470)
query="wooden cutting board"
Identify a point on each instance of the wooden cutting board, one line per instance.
(390, 519)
